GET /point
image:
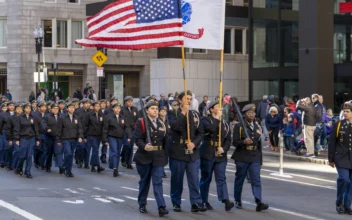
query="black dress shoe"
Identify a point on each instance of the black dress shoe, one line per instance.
(29, 176)
(103, 161)
(238, 204)
(124, 164)
(100, 169)
(69, 174)
(261, 207)
(228, 205)
(116, 173)
(79, 165)
(36, 165)
(2, 165)
(163, 211)
(348, 211)
(164, 176)
(93, 170)
(209, 207)
(198, 208)
(48, 170)
(61, 170)
(340, 209)
(177, 208)
(130, 167)
(143, 209)
(86, 166)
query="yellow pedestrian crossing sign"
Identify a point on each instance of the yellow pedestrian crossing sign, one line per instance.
(99, 58)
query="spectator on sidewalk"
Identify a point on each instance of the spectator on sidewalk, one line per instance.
(203, 106)
(273, 122)
(162, 102)
(289, 135)
(328, 121)
(309, 124)
(78, 94)
(8, 95)
(323, 135)
(261, 113)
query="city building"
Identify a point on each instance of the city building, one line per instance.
(136, 73)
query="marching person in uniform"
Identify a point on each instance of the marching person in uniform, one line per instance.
(50, 126)
(151, 157)
(3, 142)
(62, 109)
(69, 132)
(26, 135)
(184, 157)
(129, 112)
(165, 120)
(104, 148)
(113, 101)
(248, 157)
(39, 152)
(94, 131)
(114, 131)
(83, 149)
(9, 131)
(34, 106)
(340, 156)
(10, 134)
(8, 149)
(214, 158)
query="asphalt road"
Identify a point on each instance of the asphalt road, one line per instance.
(309, 194)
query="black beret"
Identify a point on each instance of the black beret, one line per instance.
(163, 108)
(75, 100)
(113, 98)
(95, 103)
(102, 100)
(10, 103)
(150, 103)
(27, 104)
(40, 104)
(54, 105)
(116, 104)
(213, 103)
(248, 107)
(19, 104)
(128, 98)
(181, 94)
(61, 102)
(34, 101)
(70, 104)
(49, 103)
(85, 100)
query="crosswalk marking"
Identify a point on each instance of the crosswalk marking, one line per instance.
(116, 199)
(72, 191)
(132, 198)
(103, 200)
(97, 188)
(124, 187)
(83, 190)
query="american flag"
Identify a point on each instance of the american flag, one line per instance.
(136, 25)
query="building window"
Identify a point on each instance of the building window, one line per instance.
(76, 33)
(235, 41)
(260, 88)
(48, 33)
(3, 33)
(61, 34)
(73, 1)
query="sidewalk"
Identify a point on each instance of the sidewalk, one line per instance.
(321, 159)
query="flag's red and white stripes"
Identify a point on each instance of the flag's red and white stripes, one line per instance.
(115, 27)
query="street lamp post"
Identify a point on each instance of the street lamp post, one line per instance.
(38, 37)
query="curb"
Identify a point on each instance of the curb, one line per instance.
(293, 157)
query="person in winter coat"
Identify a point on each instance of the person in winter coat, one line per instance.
(273, 122)
(261, 113)
(289, 134)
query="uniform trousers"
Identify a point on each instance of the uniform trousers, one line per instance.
(115, 145)
(15, 155)
(147, 173)
(69, 147)
(178, 169)
(207, 168)
(94, 142)
(50, 145)
(127, 151)
(253, 169)
(344, 187)
(26, 154)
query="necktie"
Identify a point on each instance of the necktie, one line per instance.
(55, 117)
(97, 117)
(117, 117)
(27, 117)
(154, 123)
(71, 118)
(129, 109)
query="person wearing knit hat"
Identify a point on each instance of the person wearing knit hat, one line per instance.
(213, 157)
(151, 157)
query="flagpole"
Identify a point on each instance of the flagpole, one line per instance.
(220, 96)
(185, 96)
